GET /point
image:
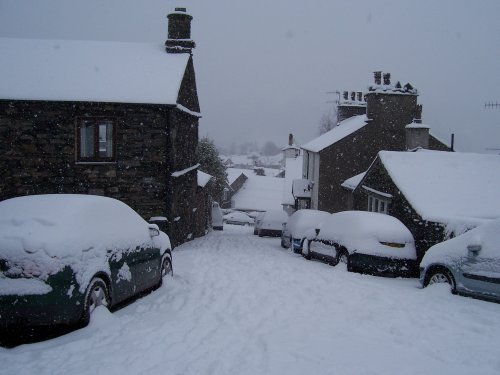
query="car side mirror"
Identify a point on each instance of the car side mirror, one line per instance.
(154, 231)
(474, 249)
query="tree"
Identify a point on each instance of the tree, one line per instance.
(210, 163)
(269, 149)
(328, 122)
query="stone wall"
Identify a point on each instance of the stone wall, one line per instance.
(38, 155)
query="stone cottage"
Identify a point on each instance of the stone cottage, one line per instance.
(349, 148)
(105, 118)
(436, 194)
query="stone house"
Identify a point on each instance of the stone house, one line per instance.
(105, 118)
(350, 147)
(236, 180)
(436, 194)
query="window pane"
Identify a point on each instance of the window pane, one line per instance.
(86, 140)
(106, 139)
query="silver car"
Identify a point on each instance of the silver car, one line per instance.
(470, 263)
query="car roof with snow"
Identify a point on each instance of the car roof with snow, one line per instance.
(302, 221)
(365, 232)
(67, 224)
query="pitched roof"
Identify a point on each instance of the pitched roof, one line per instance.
(447, 186)
(339, 132)
(353, 182)
(70, 70)
(203, 178)
(258, 193)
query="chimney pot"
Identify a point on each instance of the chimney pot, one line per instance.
(378, 77)
(346, 95)
(353, 96)
(290, 139)
(360, 96)
(387, 79)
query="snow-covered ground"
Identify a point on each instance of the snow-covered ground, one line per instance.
(240, 304)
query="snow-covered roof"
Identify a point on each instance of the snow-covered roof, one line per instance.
(258, 193)
(447, 187)
(184, 171)
(293, 171)
(203, 178)
(234, 173)
(397, 89)
(354, 181)
(72, 70)
(339, 132)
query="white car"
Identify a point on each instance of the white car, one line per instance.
(238, 218)
(298, 225)
(272, 223)
(367, 242)
(470, 263)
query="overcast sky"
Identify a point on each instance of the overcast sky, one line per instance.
(264, 67)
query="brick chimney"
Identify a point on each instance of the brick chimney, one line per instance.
(179, 32)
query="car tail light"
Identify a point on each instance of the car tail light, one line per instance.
(393, 244)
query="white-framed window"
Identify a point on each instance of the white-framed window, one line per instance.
(376, 204)
(95, 139)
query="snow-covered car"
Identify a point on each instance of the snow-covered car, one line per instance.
(62, 255)
(368, 242)
(258, 222)
(470, 263)
(272, 223)
(238, 218)
(298, 225)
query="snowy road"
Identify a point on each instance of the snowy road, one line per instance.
(240, 304)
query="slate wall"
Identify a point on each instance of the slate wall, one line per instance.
(38, 155)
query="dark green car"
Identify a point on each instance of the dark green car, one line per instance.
(63, 255)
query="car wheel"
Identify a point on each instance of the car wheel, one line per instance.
(439, 276)
(166, 267)
(97, 294)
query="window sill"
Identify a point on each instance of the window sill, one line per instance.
(94, 162)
